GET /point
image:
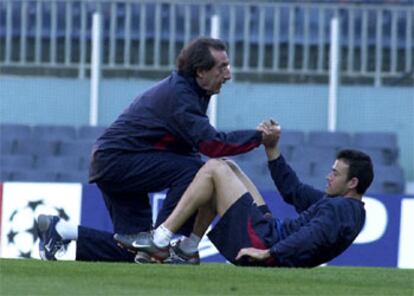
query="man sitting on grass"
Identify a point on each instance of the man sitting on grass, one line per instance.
(247, 234)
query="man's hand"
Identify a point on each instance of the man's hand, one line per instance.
(270, 138)
(253, 254)
(270, 133)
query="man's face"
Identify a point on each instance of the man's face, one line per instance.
(337, 179)
(212, 80)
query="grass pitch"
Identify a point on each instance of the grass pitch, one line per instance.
(34, 277)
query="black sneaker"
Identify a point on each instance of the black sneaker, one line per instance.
(50, 243)
(178, 256)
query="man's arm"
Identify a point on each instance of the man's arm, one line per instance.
(312, 245)
(192, 124)
(292, 190)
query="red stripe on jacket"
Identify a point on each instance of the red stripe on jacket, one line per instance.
(217, 149)
(165, 142)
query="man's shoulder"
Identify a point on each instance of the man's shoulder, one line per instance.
(343, 203)
(177, 78)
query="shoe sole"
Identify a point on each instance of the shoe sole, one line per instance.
(156, 257)
(143, 258)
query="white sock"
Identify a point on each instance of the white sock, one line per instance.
(162, 236)
(67, 230)
(190, 244)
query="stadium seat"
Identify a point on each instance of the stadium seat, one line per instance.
(254, 165)
(36, 147)
(292, 137)
(58, 163)
(85, 163)
(388, 179)
(16, 162)
(320, 169)
(255, 154)
(289, 140)
(6, 175)
(71, 176)
(302, 167)
(336, 140)
(315, 181)
(54, 132)
(90, 132)
(14, 131)
(258, 173)
(7, 146)
(385, 142)
(34, 176)
(378, 156)
(81, 148)
(314, 153)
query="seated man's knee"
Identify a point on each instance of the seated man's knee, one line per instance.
(232, 164)
(215, 166)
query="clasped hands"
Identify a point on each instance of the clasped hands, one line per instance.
(270, 132)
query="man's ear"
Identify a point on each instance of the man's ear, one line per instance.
(199, 73)
(353, 183)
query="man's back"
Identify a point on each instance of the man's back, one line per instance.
(148, 122)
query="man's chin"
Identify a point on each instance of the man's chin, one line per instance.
(212, 92)
(330, 193)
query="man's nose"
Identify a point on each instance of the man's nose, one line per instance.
(227, 74)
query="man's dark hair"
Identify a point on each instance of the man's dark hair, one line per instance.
(197, 56)
(360, 167)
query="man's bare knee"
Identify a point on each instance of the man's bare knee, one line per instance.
(232, 164)
(216, 167)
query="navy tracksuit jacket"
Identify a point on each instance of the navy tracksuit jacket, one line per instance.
(325, 227)
(155, 144)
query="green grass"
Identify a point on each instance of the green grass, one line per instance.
(33, 277)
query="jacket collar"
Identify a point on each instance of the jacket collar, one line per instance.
(193, 82)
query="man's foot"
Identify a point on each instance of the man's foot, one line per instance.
(143, 242)
(125, 241)
(50, 242)
(178, 256)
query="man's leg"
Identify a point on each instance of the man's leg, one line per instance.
(247, 222)
(215, 182)
(257, 197)
(207, 213)
(251, 188)
(129, 213)
(124, 193)
(185, 170)
(96, 245)
(151, 172)
(214, 189)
